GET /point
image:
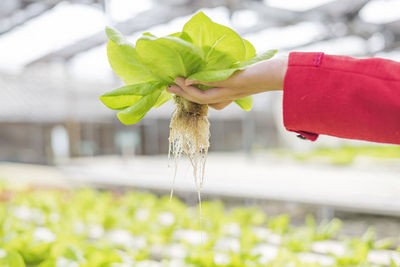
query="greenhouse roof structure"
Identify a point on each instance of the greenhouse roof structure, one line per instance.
(37, 31)
(70, 34)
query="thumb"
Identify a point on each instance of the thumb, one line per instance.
(191, 82)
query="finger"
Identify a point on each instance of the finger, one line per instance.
(221, 105)
(232, 80)
(174, 89)
(195, 93)
(209, 96)
(191, 82)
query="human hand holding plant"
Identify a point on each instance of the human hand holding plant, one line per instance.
(203, 51)
(261, 77)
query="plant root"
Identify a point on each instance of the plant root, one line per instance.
(189, 135)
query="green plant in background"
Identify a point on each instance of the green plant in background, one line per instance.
(203, 51)
(385, 243)
(279, 224)
(11, 258)
(325, 230)
(393, 264)
(302, 238)
(357, 249)
(356, 253)
(88, 228)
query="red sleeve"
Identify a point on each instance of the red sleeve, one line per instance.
(342, 96)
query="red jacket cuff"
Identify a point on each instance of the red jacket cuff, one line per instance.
(295, 114)
(342, 96)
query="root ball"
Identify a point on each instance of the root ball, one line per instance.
(189, 135)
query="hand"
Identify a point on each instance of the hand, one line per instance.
(261, 77)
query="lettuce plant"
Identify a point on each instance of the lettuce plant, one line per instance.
(203, 51)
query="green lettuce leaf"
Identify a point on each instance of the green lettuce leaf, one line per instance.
(164, 97)
(245, 103)
(182, 35)
(250, 50)
(263, 56)
(124, 59)
(137, 111)
(128, 95)
(220, 75)
(222, 46)
(169, 57)
(116, 36)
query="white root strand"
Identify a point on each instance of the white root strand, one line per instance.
(189, 135)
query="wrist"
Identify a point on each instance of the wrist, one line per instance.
(278, 70)
(264, 76)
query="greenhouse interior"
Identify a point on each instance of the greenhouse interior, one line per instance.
(80, 188)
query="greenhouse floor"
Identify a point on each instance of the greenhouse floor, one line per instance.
(365, 187)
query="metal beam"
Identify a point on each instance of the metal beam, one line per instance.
(23, 15)
(331, 13)
(144, 20)
(338, 9)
